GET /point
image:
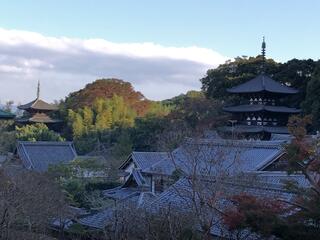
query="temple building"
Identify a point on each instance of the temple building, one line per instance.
(38, 111)
(6, 115)
(261, 113)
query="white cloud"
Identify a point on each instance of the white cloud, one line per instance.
(67, 64)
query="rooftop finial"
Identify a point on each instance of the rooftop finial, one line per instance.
(263, 48)
(263, 53)
(38, 90)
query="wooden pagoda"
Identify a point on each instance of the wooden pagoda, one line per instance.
(38, 111)
(261, 113)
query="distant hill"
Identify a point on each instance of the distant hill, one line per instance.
(106, 88)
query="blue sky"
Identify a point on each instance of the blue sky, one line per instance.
(231, 27)
(108, 39)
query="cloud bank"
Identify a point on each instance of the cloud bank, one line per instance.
(67, 64)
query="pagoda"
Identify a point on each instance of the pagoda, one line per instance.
(38, 111)
(261, 113)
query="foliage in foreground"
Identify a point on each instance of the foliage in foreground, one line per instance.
(28, 203)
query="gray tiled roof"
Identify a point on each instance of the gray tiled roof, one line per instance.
(213, 156)
(97, 220)
(281, 178)
(144, 160)
(6, 115)
(262, 83)
(39, 155)
(261, 107)
(255, 129)
(179, 196)
(126, 197)
(38, 104)
(120, 193)
(139, 179)
(281, 137)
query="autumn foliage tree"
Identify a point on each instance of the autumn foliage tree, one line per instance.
(106, 89)
(257, 215)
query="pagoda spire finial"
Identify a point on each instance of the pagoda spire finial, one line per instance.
(263, 54)
(263, 48)
(38, 90)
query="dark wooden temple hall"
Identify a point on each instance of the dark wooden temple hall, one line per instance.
(261, 113)
(38, 111)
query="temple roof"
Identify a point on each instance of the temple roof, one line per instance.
(144, 160)
(39, 155)
(38, 118)
(256, 129)
(262, 83)
(38, 104)
(6, 115)
(218, 155)
(261, 107)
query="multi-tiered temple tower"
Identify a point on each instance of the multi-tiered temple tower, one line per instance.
(38, 111)
(261, 113)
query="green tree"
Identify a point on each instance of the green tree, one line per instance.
(75, 120)
(37, 132)
(233, 73)
(311, 104)
(122, 114)
(103, 120)
(88, 118)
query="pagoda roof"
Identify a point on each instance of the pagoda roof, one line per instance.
(261, 107)
(38, 104)
(262, 83)
(255, 129)
(38, 118)
(6, 115)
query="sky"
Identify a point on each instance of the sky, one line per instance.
(162, 47)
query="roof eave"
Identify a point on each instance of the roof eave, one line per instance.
(230, 90)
